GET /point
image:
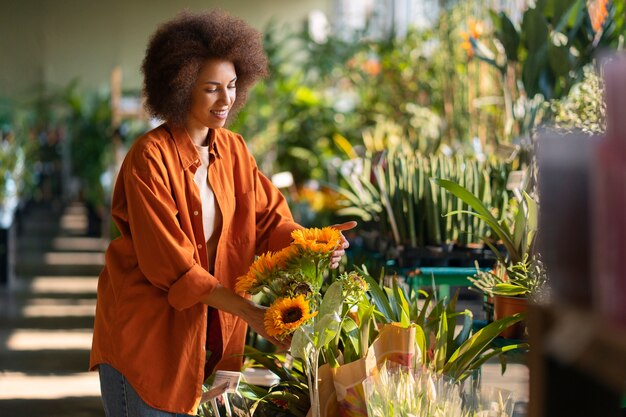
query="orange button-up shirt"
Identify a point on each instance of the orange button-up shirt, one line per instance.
(150, 322)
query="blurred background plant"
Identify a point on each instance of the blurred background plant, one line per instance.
(583, 108)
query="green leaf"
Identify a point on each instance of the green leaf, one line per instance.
(559, 59)
(532, 220)
(333, 300)
(420, 340)
(535, 30)
(465, 330)
(441, 342)
(421, 318)
(481, 212)
(403, 305)
(268, 361)
(488, 355)
(300, 343)
(469, 351)
(366, 319)
(379, 298)
(508, 35)
(509, 289)
(326, 329)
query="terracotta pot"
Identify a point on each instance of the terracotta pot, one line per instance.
(507, 306)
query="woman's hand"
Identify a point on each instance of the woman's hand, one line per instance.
(222, 298)
(341, 250)
(254, 315)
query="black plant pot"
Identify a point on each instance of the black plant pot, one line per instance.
(7, 255)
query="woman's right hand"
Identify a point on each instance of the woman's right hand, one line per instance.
(222, 298)
(255, 316)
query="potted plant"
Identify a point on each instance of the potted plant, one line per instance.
(519, 273)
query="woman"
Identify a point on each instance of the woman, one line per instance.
(193, 211)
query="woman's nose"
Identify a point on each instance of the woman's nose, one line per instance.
(225, 97)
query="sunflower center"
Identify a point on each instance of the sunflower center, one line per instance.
(292, 315)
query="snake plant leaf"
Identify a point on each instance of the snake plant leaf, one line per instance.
(355, 212)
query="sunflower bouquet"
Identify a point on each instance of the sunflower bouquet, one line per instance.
(292, 279)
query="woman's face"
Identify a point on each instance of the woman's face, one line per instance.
(213, 95)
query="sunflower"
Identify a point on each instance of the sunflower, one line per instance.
(285, 315)
(323, 241)
(263, 269)
(285, 256)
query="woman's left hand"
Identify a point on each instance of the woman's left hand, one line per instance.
(341, 250)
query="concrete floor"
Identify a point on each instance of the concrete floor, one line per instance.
(47, 318)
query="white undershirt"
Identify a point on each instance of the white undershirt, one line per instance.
(210, 212)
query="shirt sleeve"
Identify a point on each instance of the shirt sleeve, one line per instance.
(164, 253)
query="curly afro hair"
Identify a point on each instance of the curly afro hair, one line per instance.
(179, 48)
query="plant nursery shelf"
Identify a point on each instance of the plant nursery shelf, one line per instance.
(578, 363)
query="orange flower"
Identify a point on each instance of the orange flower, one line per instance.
(372, 67)
(475, 31)
(598, 12)
(285, 315)
(316, 240)
(283, 257)
(466, 45)
(262, 270)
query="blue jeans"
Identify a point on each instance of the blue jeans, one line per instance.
(121, 400)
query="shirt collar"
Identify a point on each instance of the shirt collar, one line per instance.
(187, 150)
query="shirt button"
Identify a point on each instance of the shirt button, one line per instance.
(195, 213)
(200, 246)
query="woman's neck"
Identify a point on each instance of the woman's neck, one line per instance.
(200, 137)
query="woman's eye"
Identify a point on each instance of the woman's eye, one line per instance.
(232, 86)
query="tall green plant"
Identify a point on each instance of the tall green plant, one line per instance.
(89, 122)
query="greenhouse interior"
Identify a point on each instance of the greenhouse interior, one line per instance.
(406, 213)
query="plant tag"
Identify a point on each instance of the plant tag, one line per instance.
(231, 378)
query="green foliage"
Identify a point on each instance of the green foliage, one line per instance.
(543, 57)
(89, 122)
(583, 108)
(394, 189)
(455, 355)
(18, 152)
(519, 238)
